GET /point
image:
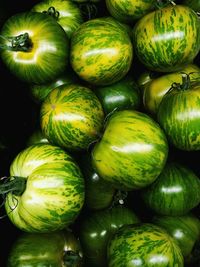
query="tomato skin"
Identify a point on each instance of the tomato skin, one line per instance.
(37, 65)
(194, 4)
(101, 52)
(71, 117)
(179, 116)
(175, 192)
(99, 194)
(134, 160)
(54, 191)
(96, 230)
(129, 11)
(162, 43)
(145, 244)
(38, 92)
(123, 94)
(54, 248)
(184, 229)
(69, 15)
(158, 87)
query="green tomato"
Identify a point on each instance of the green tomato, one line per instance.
(132, 150)
(159, 86)
(185, 230)
(131, 10)
(45, 191)
(66, 13)
(57, 249)
(72, 117)
(142, 245)
(97, 228)
(101, 52)
(175, 192)
(179, 115)
(34, 47)
(168, 38)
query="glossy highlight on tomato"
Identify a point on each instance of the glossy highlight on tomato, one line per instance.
(168, 38)
(132, 151)
(34, 47)
(145, 244)
(175, 192)
(46, 189)
(101, 52)
(71, 117)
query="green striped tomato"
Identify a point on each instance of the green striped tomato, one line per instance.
(60, 248)
(45, 189)
(143, 245)
(66, 13)
(185, 230)
(72, 117)
(132, 151)
(101, 52)
(179, 115)
(97, 228)
(159, 86)
(168, 38)
(34, 47)
(129, 11)
(175, 192)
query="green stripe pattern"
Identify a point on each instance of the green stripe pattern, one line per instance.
(129, 11)
(167, 38)
(54, 193)
(71, 117)
(185, 229)
(101, 52)
(178, 115)
(143, 245)
(132, 151)
(175, 192)
(69, 14)
(48, 56)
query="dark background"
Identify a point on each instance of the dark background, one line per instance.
(19, 118)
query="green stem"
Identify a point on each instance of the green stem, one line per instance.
(164, 3)
(52, 12)
(185, 81)
(89, 10)
(119, 198)
(14, 184)
(71, 258)
(185, 85)
(21, 42)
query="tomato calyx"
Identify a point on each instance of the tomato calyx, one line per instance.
(14, 184)
(163, 3)
(20, 42)
(52, 12)
(119, 198)
(88, 10)
(71, 258)
(186, 83)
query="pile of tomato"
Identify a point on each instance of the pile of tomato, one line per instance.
(100, 135)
